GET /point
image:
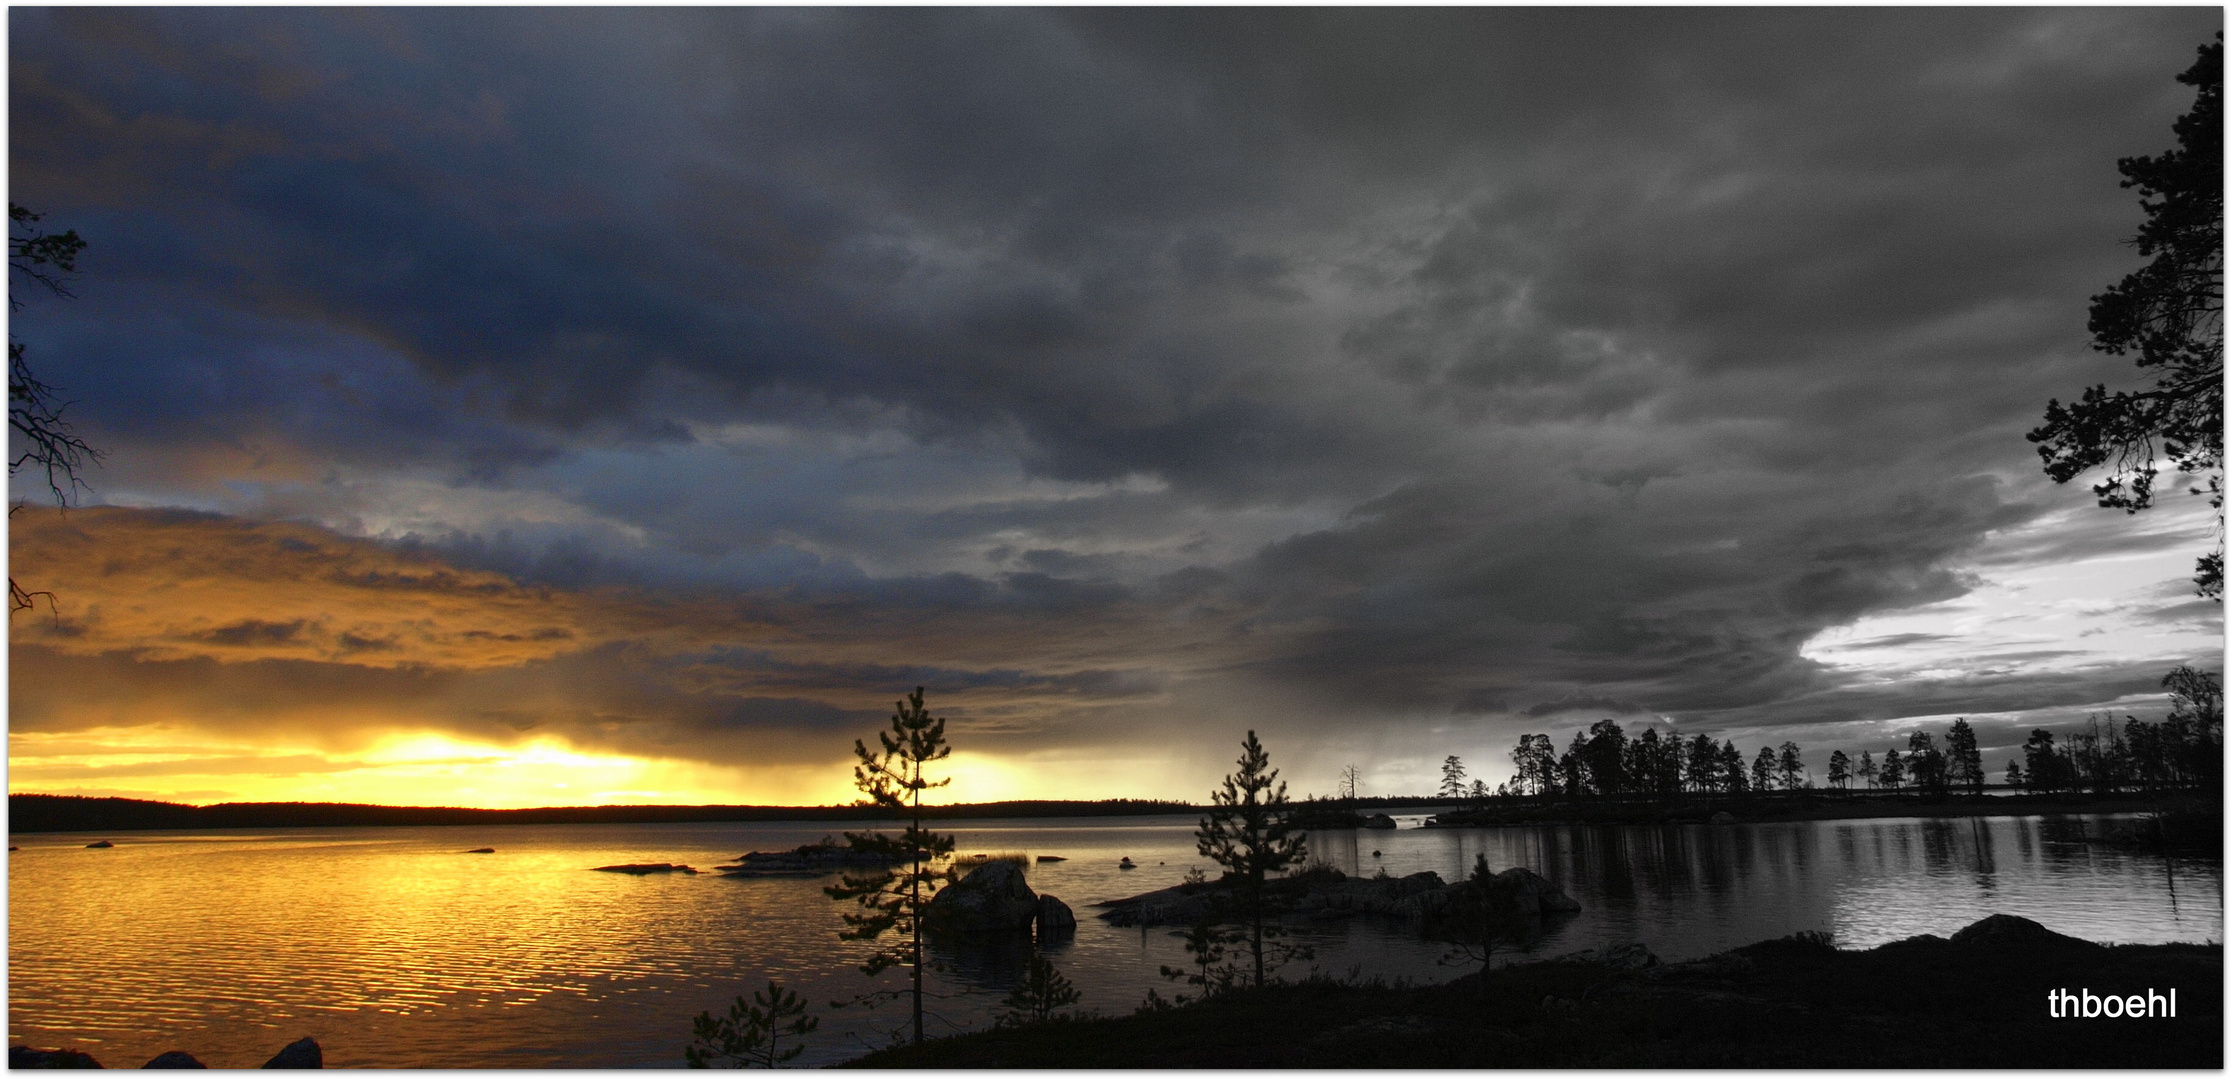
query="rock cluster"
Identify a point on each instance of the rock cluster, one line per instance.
(303, 1053)
(1327, 894)
(24, 1057)
(994, 899)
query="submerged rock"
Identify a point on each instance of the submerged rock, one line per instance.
(646, 868)
(175, 1059)
(992, 898)
(303, 1053)
(26, 1057)
(1173, 906)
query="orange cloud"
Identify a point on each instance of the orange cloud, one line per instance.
(168, 585)
(193, 653)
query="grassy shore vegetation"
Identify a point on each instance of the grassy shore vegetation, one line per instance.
(1792, 1003)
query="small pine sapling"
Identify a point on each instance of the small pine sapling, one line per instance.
(752, 1033)
(1036, 998)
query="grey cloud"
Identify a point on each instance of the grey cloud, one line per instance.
(1893, 641)
(1584, 704)
(1475, 356)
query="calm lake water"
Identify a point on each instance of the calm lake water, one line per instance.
(397, 950)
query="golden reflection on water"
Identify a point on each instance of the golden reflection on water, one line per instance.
(395, 948)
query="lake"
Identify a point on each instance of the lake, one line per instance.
(395, 949)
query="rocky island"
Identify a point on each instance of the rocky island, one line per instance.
(1323, 893)
(811, 860)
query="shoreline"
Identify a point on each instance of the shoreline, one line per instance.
(31, 814)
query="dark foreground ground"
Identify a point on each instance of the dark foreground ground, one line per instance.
(1978, 1001)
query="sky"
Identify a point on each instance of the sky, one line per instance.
(513, 407)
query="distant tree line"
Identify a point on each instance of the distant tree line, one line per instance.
(1606, 761)
(2184, 750)
(1925, 768)
(32, 813)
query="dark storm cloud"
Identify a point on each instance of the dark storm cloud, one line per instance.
(1463, 359)
(1584, 704)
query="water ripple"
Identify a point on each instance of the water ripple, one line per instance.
(397, 950)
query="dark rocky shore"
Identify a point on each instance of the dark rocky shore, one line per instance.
(1977, 1000)
(303, 1053)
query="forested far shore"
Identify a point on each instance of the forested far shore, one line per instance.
(31, 813)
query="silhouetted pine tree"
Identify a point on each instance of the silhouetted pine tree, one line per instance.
(1247, 833)
(894, 900)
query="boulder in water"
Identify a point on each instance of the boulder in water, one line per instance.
(303, 1053)
(175, 1059)
(1052, 858)
(1722, 817)
(1379, 821)
(992, 898)
(1054, 916)
(25, 1057)
(1533, 894)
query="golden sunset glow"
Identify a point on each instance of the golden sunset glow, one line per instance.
(201, 659)
(422, 769)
